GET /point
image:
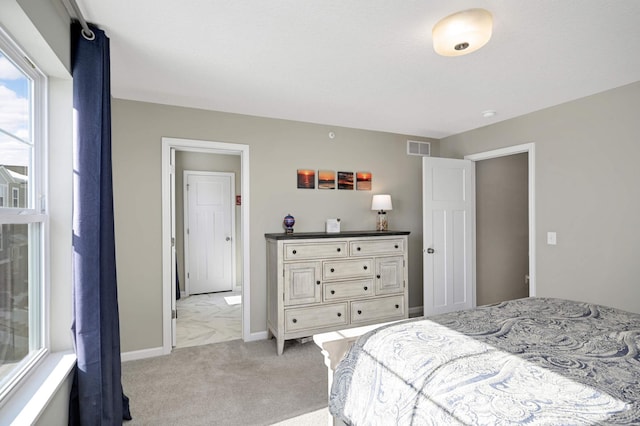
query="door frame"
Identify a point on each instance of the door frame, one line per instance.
(512, 150)
(206, 147)
(232, 217)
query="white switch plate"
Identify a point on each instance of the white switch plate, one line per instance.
(551, 238)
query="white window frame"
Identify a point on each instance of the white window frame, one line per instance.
(15, 197)
(35, 213)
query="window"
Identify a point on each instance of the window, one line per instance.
(15, 199)
(23, 216)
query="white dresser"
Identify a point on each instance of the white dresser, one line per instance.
(319, 282)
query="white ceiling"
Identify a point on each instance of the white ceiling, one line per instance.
(366, 64)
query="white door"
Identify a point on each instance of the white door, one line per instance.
(448, 187)
(209, 231)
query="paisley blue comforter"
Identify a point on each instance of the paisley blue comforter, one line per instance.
(535, 361)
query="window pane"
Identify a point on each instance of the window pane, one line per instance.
(19, 312)
(16, 149)
(22, 285)
(15, 96)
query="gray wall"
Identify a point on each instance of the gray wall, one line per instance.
(52, 21)
(195, 161)
(502, 229)
(586, 154)
(41, 28)
(277, 149)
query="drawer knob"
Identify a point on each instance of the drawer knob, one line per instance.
(365, 267)
(294, 252)
(333, 270)
(378, 276)
(397, 306)
(339, 250)
(396, 246)
(339, 314)
(366, 288)
(359, 312)
(318, 282)
(358, 249)
(294, 320)
(333, 292)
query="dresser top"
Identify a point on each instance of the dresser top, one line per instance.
(341, 234)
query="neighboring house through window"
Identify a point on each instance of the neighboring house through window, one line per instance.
(23, 216)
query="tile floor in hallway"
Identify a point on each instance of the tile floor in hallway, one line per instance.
(208, 318)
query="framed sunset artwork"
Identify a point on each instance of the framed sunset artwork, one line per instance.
(326, 179)
(345, 180)
(306, 179)
(363, 181)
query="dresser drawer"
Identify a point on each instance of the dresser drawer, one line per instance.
(304, 251)
(315, 317)
(341, 269)
(376, 247)
(384, 308)
(348, 289)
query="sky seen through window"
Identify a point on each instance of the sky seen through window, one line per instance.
(15, 116)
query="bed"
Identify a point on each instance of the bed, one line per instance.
(529, 361)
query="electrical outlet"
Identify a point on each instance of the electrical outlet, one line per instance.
(551, 238)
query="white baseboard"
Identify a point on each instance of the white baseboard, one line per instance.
(261, 335)
(153, 352)
(141, 354)
(416, 311)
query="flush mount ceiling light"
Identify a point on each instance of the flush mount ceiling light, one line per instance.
(463, 32)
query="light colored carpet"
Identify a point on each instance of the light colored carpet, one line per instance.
(229, 383)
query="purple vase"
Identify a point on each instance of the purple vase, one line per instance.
(288, 223)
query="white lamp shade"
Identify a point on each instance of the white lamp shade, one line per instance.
(381, 202)
(463, 32)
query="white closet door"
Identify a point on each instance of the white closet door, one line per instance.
(209, 232)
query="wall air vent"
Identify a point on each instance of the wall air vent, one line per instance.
(422, 149)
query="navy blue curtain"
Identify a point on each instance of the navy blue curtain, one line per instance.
(96, 395)
(177, 282)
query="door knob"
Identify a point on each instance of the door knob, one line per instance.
(430, 250)
(228, 239)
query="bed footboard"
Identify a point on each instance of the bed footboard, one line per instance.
(334, 346)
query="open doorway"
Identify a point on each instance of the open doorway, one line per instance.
(505, 224)
(177, 156)
(208, 248)
(502, 229)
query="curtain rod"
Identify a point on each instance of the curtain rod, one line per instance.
(86, 31)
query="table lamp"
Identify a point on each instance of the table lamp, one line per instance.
(381, 202)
